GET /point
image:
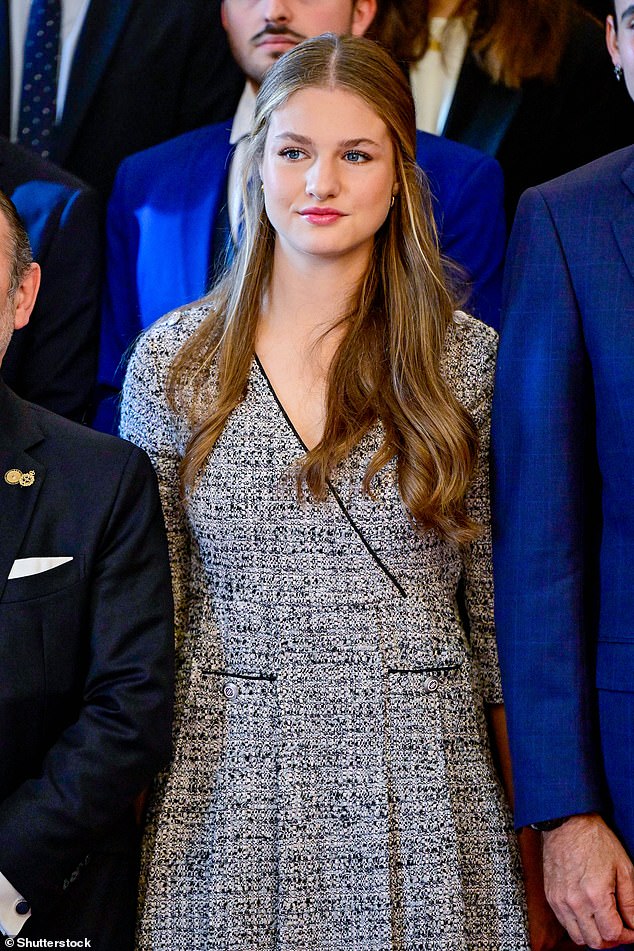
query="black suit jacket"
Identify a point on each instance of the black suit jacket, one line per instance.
(85, 670)
(545, 129)
(143, 71)
(53, 360)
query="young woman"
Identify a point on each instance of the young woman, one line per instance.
(319, 426)
(529, 82)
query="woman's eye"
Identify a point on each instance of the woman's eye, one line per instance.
(353, 155)
(292, 154)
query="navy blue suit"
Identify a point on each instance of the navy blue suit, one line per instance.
(53, 360)
(85, 670)
(563, 423)
(143, 71)
(162, 222)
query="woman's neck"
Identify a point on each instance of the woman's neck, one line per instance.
(299, 331)
(443, 8)
(307, 297)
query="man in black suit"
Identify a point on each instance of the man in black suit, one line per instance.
(85, 655)
(141, 72)
(53, 360)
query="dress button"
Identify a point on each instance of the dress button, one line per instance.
(431, 685)
(230, 691)
(22, 907)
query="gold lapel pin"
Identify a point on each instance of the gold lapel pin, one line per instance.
(17, 477)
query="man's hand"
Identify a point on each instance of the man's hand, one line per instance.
(589, 882)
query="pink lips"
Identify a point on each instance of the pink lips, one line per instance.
(321, 216)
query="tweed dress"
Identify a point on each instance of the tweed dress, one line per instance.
(332, 786)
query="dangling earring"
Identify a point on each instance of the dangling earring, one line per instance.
(618, 72)
(392, 201)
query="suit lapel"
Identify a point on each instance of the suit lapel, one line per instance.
(5, 75)
(19, 434)
(104, 22)
(482, 110)
(185, 266)
(623, 226)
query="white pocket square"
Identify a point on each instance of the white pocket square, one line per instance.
(22, 567)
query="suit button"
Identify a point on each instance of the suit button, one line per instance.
(22, 907)
(431, 685)
(230, 691)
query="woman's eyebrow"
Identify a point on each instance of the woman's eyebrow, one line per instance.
(305, 140)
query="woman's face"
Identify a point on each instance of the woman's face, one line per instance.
(328, 175)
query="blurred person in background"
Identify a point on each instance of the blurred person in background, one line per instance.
(86, 82)
(52, 360)
(527, 82)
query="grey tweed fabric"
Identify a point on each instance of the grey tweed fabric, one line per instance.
(332, 786)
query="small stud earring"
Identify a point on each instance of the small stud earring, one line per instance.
(618, 72)
(392, 202)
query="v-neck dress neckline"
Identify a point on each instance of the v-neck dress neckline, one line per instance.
(257, 362)
(331, 486)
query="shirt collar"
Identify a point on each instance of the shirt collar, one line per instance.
(245, 113)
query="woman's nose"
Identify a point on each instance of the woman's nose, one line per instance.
(322, 180)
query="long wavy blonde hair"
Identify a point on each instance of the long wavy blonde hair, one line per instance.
(387, 365)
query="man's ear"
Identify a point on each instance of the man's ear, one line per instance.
(612, 41)
(25, 296)
(363, 14)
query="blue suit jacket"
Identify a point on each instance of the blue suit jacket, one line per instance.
(53, 360)
(563, 423)
(164, 209)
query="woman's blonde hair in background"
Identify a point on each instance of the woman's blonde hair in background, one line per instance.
(387, 365)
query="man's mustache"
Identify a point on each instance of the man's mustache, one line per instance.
(272, 30)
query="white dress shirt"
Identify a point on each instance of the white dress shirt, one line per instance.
(242, 125)
(10, 921)
(435, 76)
(73, 16)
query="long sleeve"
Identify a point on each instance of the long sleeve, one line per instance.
(478, 567)
(147, 421)
(477, 557)
(543, 467)
(473, 233)
(120, 314)
(55, 360)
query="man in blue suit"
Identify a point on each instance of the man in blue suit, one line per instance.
(52, 361)
(564, 538)
(174, 206)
